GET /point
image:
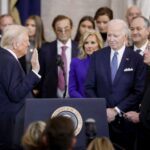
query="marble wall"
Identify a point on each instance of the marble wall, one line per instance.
(78, 8)
(72, 8)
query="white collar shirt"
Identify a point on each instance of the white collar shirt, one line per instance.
(141, 48)
(68, 55)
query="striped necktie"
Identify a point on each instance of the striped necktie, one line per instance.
(114, 66)
(61, 79)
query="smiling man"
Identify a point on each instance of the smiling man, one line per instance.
(139, 33)
(53, 83)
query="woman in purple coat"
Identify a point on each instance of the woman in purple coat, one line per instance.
(89, 42)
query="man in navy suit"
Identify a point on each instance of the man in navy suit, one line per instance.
(142, 118)
(139, 33)
(62, 26)
(118, 74)
(15, 86)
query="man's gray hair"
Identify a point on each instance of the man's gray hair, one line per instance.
(125, 28)
(11, 33)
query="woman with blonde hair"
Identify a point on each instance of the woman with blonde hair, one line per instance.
(32, 138)
(90, 42)
(101, 143)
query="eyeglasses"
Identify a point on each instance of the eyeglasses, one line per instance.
(63, 30)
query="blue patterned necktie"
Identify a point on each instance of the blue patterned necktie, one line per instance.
(114, 66)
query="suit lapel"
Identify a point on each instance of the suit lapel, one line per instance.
(124, 62)
(106, 61)
(74, 49)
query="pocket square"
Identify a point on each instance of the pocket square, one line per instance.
(128, 69)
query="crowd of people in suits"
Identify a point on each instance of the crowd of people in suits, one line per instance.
(112, 63)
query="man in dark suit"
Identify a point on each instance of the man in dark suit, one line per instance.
(139, 33)
(117, 73)
(49, 88)
(14, 85)
(142, 118)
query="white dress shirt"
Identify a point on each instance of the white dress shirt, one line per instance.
(119, 57)
(68, 54)
(141, 48)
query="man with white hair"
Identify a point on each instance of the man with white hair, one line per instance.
(117, 73)
(15, 86)
(132, 12)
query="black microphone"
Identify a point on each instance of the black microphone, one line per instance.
(60, 63)
(90, 130)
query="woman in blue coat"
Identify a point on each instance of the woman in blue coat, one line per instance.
(89, 42)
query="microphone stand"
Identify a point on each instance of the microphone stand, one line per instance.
(61, 64)
(90, 130)
(65, 79)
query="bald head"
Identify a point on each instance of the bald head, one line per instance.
(132, 12)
